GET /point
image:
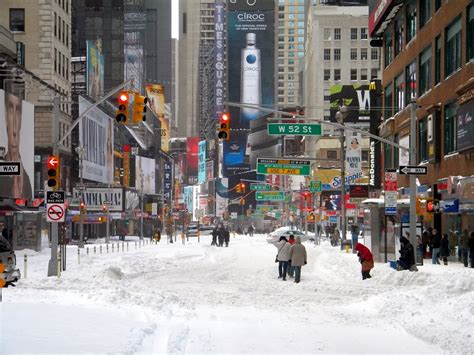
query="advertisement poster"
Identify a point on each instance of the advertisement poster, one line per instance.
(95, 69)
(167, 180)
(465, 131)
(156, 102)
(250, 43)
(95, 198)
(222, 196)
(331, 200)
(353, 155)
(145, 174)
(17, 135)
(188, 198)
(96, 135)
(192, 160)
(331, 179)
(355, 97)
(202, 162)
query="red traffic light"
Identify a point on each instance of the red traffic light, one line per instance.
(123, 97)
(53, 162)
(225, 117)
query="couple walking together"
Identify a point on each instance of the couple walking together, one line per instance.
(291, 257)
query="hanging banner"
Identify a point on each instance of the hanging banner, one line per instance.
(167, 179)
(202, 162)
(156, 102)
(353, 156)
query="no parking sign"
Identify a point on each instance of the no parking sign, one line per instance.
(55, 210)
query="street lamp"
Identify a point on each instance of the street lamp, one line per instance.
(80, 152)
(141, 203)
(340, 117)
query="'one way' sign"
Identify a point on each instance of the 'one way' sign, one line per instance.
(10, 168)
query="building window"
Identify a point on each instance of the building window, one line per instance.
(411, 19)
(337, 74)
(327, 54)
(17, 20)
(353, 53)
(373, 73)
(374, 54)
(353, 33)
(422, 140)
(387, 100)
(452, 49)
(363, 33)
(450, 128)
(470, 33)
(388, 48)
(59, 27)
(363, 74)
(353, 74)
(425, 70)
(399, 93)
(55, 60)
(337, 53)
(410, 75)
(399, 33)
(438, 59)
(327, 74)
(337, 34)
(55, 25)
(363, 54)
(425, 12)
(438, 4)
(331, 154)
(327, 34)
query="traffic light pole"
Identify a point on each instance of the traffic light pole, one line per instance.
(413, 177)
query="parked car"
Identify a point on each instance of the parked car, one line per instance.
(286, 232)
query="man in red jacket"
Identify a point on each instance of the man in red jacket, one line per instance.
(366, 259)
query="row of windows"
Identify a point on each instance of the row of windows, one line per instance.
(354, 33)
(290, 54)
(291, 8)
(300, 47)
(61, 64)
(354, 74)
(282, 2)
(61, 30)
(290, 31)
(374, 54)
(290, 23)
(289, 92)
(290, 39)
(418, 76)
(291, 16)
(64, 4)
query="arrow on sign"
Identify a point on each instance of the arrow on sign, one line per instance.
(53, 161)
(413, 170)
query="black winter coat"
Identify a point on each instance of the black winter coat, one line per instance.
(407, 254)
(470, 244)
(444, 251)
(436, 243)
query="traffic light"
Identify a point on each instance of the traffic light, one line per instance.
(104, 208)
(53, 172)
(224, 127)
(242, 187)
(238, 188)
(432, 206)
(139, 108)
(82, 207)
(121, 115)
(242, 201)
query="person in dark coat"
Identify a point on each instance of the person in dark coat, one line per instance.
(298, 257)
(470, 245)
(221, 236)
(407, 256)
(215, 234)
(366, 259)
(435, 246)
(444, 249)
(226, 236)
(464, 239)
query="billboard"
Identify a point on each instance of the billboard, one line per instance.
(355, 97)
(17, 136)
(95, 69)
(192, 159)
(96, 135)
(353, 155)
(167, 180)
(202, 162)
(465, 131)
(219, 56)
(331, 179)
(331, 200)
(145, 174)
(95, 198)
(156, 102)
(250, 48)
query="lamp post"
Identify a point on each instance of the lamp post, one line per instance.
(80, 152)
(141, 203)
(340, 117)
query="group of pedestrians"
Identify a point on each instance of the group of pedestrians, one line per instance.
(220, 236)
(291, 257)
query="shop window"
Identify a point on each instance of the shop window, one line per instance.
(425, 70)
(452, 49)
(388, 98)
(437, 59)
(470, 33)
(410, 75)
(388, 48)
(425, 12)
(422, 140)
(399, 93)
(17, 20)
(450, 128)
(411, 19)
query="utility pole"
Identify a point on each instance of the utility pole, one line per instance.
(108, 203)
(340, 116)
(53, 261)
(413, 177)
(141, 204)
(80, 152)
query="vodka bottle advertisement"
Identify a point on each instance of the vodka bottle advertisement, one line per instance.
(250, 79)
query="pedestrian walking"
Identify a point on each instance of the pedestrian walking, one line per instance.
(407, 256)
(470, 245)
(226, 237)
(298, 257)
(221, 236)
(291, 268)
(366, 260)
(444, 249)
(250, 230)
(464, 247)
(435, 246)
(282, 257)
(214, 234)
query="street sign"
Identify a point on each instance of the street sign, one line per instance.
(55, 213)
(391, 203)
(270, 195)
(413, 170)
(55, 197)
(10, 168)
(315, 186)
(298, 129)
(260, 187)
(283, 166)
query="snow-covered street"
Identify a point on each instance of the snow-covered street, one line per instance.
(194, 298)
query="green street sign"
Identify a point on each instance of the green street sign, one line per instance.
(297, 129)
(270, 195)
(283, 166)
(260, 187)
(315, 186)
